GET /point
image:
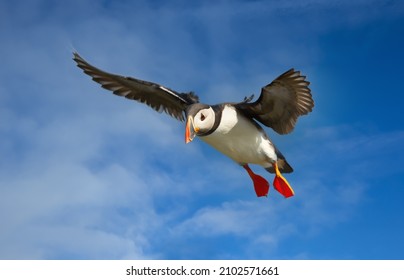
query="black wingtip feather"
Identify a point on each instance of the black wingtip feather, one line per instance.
(159, 98)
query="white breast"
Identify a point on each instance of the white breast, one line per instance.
(238, 138)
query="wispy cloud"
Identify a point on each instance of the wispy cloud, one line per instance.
(85, 174)
(324, 200)
(69, 180)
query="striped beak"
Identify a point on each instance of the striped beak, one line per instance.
(189, 130)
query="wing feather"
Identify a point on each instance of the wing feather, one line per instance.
(161, 99)
(281, 102)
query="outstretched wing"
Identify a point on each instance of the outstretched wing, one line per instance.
(281, 102)
(156, 96)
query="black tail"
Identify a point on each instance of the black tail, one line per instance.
(283, 165)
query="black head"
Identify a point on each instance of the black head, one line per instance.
(193, 109)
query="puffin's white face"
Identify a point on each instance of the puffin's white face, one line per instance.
(199, 124)
(204, 120)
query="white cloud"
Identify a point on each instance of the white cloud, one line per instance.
(85, 174)
(323, 200)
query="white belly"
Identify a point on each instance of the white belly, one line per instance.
(241, 140)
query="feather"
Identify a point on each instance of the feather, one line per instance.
(281, 102)
(158, 97)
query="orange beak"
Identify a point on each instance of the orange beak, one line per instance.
(189, 130)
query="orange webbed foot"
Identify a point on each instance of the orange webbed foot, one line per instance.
(281, 184)
(261, 186)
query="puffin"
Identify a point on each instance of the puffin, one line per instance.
(232, 128)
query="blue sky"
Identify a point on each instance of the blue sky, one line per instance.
(85, 174)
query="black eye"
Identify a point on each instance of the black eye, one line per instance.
(202, 117)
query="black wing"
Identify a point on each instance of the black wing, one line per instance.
(156, 96)
(281, 102)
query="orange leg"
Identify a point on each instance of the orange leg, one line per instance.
(281, 184)
(261, 185)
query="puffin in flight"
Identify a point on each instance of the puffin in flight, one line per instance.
(231, 128)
